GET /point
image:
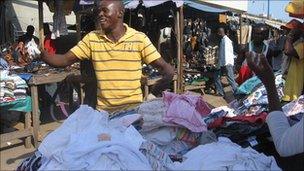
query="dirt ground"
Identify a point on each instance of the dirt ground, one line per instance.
(12, 155)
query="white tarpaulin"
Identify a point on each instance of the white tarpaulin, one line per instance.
(131, 4)
(204, 5)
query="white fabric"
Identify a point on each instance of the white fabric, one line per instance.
(288, 140)
(230, 112)
(86, 2)
(153, 112)
(225, 155)
(162, 136)
(75, 144)
(32, 49)
(226, 55)
(129, 119)
(4, 75)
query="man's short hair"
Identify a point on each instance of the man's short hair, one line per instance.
(262, 26)
(30, 28)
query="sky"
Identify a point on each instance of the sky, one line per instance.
(277, 8)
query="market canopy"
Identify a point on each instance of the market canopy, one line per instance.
(203, 5)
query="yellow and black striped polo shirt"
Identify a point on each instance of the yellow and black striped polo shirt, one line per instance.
(118, 66)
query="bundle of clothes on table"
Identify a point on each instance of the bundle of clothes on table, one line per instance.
(175, 132)
(12, 87)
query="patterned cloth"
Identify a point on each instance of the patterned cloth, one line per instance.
(188, 136)
(295, 107)
(158, 159)
(32, 163)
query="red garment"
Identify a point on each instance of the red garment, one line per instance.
(259, 119)
(296, 15)
(49, 45)
(244, 74)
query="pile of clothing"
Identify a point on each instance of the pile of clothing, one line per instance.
(210, 55)
(149, 71)
(12, 87)
(243, 121)
(253, 95)
(166, 133)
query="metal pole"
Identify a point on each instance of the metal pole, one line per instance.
(268, 9)
(181, 29)
(41, 31)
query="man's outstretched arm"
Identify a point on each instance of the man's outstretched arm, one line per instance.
(167, 72)
(57, 60)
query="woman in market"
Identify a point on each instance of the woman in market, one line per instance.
(295, 77)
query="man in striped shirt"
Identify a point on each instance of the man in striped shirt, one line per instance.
(117, 52)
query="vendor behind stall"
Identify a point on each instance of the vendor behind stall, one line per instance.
(117, 52)
(258, 45)
(29, 36)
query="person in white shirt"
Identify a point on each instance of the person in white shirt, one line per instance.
(226, 63)
(288, 140)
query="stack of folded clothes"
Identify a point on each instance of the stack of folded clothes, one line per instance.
(12, 87)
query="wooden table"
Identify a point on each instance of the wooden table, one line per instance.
(149, 82)
(40, 79)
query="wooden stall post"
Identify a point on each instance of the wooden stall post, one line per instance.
(241, 27)
(180, 54)
(36, 114)
(27, 125)
(41, 31)
(178, 35)
(78, 26)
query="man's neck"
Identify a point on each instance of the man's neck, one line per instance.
(258, 44)
(116, 33)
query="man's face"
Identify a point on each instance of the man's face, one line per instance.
(220, 32)
(259, 35)
(109, 15)
(30, 31)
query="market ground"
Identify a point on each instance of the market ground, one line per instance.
(11, 155)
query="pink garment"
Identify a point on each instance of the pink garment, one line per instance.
(186, 110)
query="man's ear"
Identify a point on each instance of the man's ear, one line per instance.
(121, 13)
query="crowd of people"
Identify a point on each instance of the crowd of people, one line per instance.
(271, 51)
(117, 52)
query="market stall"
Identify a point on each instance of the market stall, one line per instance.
(23, 62)
(181, 10)
(14, 98)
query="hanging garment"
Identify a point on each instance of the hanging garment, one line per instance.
(186, 110)
(59, 20)
(246, 34)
